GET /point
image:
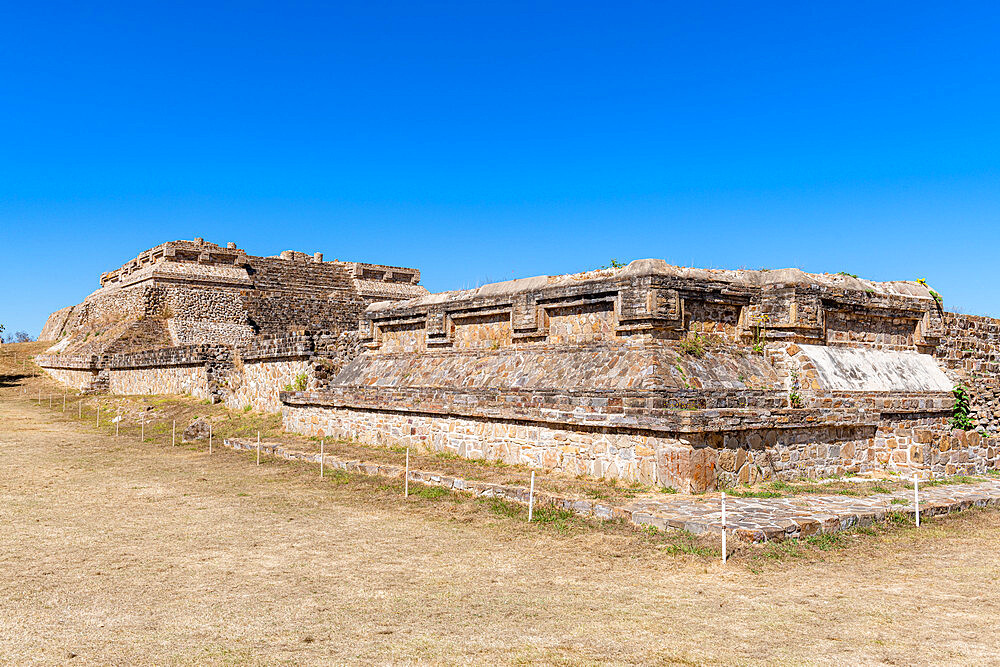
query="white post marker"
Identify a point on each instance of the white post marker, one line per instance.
(142, 428)
(724, 549)
(531, 497)
(916, 498)
(173, 434)
(79, 409)
(209, 438)
(117, 420)
(98, 415)
(322, 441)
(258, 447)
(406, 476)
(64, 401)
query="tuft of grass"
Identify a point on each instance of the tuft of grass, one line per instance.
(429, 492)
(555, 516)
(755, 493)
(503, 508)
(683, 542)
(825, 541)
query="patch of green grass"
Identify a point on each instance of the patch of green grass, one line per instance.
(781, 550)
(429, 492)
(755, 493)
(683, 542)
(556, 516)
(338, 476)
(899, 519)
(957, 479)
(899, 501)
(945, 481)
(502, 507)
(825, 541)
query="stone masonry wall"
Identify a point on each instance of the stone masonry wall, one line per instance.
(260, 383)
(193, 369)
(574, 452)
(77, 379)
(650, 299)
(970, 353)
(210, 294)
(688, 377)
(189, 380)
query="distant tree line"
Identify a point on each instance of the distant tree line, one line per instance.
(16, 337)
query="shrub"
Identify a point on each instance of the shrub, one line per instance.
(694, 346)
(962, 411)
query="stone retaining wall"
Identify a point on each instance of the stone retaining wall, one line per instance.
(970, 352)
(259, 384)
(77, 379)
(190, 380)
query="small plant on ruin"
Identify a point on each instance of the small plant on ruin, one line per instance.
(758, 332)
(615, 264)
(937, 297)
(300, 382)
(694, 346)
(794, 397)
(846, 274)
(962, 411)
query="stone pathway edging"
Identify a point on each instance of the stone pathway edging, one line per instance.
(763, 519)
(751, 519)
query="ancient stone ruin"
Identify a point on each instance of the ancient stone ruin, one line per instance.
(177, 317)
(681, 377)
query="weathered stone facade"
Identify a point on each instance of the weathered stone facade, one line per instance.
(194, 292)
(135, 333)
(659, 374)
(683, 377)
(250, 375)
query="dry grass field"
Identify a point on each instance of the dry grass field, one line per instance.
(122, 552)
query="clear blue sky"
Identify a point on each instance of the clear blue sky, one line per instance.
(483, 141)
